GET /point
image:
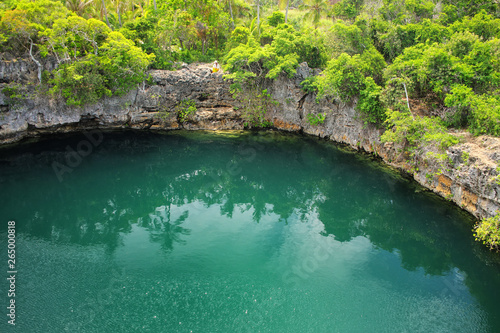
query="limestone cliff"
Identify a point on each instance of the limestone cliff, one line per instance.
(468, 178)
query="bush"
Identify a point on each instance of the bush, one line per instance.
(345, 38)
(374, 64)
(417, 133)
(80, 82)
(481, 111)
(276, 19)
(123, 63)
(315, 120)
(185, 109)
(119, 67)
(310, 48)
(343, 78)
(488, 231)
(481, 24)
(401, 11)
(310, 84)
(238, 36)
(430, 70)
(396, 39)
(369, 103)
(348, 9)
(255, 104)
(430, 32)
(283, 55)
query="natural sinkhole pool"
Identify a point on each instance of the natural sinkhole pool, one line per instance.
(232, 232)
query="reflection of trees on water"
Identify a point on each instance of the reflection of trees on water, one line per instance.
(143, 178)
(163, 229)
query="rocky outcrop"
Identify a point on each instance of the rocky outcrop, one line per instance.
(21, 70)
(150, 106)
(468, 177)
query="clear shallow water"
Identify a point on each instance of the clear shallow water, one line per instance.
(234, 232)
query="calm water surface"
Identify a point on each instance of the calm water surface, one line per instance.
(233, 232)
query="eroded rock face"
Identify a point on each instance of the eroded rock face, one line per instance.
(468, 177)
(147, 107)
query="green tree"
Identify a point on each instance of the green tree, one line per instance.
(347, 9)
(481, 24)
(314, 8)
(123, 63)
(347, 38)
(345, 76)
(78, 6)
(23, 27)
(417, 134)
(80, 82)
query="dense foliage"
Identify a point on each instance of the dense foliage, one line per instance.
(488, 231)
(439, 57)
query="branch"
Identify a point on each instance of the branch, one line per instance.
(36, 61)
(408, 101)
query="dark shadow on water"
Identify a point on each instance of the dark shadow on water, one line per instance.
(136, 178)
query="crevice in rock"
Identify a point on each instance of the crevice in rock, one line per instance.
(301, 101)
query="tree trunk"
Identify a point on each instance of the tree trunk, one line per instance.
(231, 12)
(105, 13)
(258, 16)
(286, 13)
(119, 15)
(408, 101)
(39, 65)
(154, 2)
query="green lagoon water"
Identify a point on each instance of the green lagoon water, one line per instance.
(233, 232)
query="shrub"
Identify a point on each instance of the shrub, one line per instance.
(417, 133)
(344, 78)
(123, 63)
(482, 111)
(116, 68)
(310, 84)
(238, 36)
(347, 38)
(481, 24)
(310, 48)
(348, 9)
(185, 109)
(488, 231)
(276, 19)
(369, 103)
(283, 55)
(315, 120)
(255, 104)
(80, 82)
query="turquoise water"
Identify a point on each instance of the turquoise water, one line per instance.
(233, 232)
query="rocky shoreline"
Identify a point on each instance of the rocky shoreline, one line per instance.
(468, 179)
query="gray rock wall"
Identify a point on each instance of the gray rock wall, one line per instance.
(469, 179)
